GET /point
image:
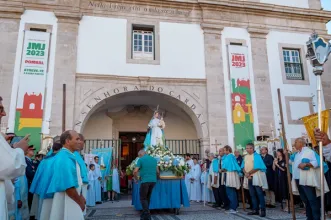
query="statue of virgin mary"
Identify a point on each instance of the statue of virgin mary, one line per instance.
(155, 134)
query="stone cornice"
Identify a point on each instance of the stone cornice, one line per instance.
(212, 28)
(138, 80)
(271, 10)
(11, 12)
(68, 17)
(258, 32)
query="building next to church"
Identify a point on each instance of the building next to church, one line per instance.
(212, 67)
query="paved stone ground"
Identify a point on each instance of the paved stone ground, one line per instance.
(124, 211)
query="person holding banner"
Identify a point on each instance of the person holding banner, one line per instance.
(326, 142)
(255, 179)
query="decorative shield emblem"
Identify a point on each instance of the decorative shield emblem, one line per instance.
(321, 48)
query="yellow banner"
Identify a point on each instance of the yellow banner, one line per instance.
(311, 122)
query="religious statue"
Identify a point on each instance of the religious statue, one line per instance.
(155, 134)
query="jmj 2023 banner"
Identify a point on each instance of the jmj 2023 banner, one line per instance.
(31, 89)
(241, 101)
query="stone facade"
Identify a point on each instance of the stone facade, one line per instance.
(261, 80)
(202, 99)
(65, 73)
(9, 28)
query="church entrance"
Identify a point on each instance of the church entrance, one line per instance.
(131, 143)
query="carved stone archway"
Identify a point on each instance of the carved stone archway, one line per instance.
(183, 99)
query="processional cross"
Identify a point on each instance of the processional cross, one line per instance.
(216, 144)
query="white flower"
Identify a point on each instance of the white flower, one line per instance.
(181, 163)
(165, 165)
(166, 162)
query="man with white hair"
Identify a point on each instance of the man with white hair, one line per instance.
(12, 165)
(306, 178)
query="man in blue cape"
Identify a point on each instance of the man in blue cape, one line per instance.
(231, 171)
(41, 182)
(66, 185)
(255, 179)
(82, 166)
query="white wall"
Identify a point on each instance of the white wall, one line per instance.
(102, 50)
(34, 17)
(273, 39)
(237, 33)
(291, 3)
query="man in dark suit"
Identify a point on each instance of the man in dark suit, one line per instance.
(30, 171)
(268, 161)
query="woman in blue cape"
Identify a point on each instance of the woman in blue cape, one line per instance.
(155, 134)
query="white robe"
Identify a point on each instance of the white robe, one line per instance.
(188, 175)
(12, 165)
(97, 183)
(65, 208)
(210, 181)
(206, 194)
(90, 198)
(196, 185)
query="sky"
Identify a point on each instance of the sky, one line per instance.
(326, 4)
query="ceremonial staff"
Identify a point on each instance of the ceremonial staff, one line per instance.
(318, 51)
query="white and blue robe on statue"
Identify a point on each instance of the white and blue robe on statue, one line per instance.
(195, 186)
(39, 186)
(67, 176)
(206, 194)
(90, 198)
(155, 136)
(116, 181)
(233, 171)
(97, 183)
(188, 176)
(12, 166)
(259, 178)
(83, 173)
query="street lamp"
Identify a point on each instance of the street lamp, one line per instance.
(318, 51)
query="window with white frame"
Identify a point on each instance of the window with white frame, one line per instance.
(143, 43)
(293, 64)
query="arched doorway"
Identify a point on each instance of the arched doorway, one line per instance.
(124, 117)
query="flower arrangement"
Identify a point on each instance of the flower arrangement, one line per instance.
(166, 161)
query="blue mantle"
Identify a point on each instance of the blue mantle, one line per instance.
(166, 194)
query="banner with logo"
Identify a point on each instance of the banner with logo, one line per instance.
(241, 101)
(31, 88)
(311, 122)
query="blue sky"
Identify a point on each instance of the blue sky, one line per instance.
(326, 4)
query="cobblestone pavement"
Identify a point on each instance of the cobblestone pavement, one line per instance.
(123, 210)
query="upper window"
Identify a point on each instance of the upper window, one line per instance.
(293, 64)
(143, 43)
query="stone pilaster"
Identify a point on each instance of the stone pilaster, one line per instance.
(315, 4)
(262, 80)
(9, 27)
(217, 118)
(64, 72)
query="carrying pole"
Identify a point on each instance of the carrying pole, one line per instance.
(286, 155)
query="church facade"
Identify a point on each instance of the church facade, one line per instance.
(211, 67)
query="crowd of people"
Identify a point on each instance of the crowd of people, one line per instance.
(61, 184)
(260, 180)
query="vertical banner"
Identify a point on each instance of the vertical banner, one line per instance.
(241, 101)
(32, 83)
